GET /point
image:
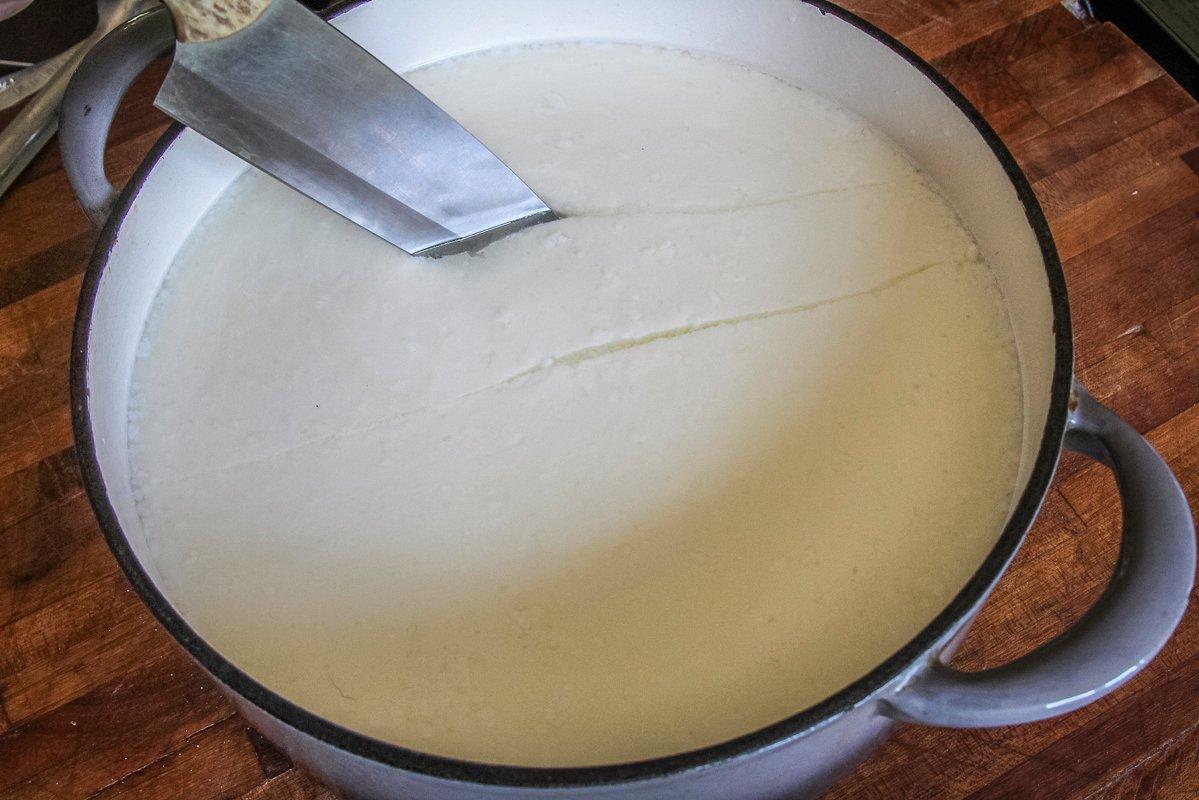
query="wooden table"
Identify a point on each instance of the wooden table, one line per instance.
(97, 701)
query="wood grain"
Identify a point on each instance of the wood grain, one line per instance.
(96, 701)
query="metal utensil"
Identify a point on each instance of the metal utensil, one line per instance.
(16, 86)
(276, 85)
(36, 123)
(10, 8)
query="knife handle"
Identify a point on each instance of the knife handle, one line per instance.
(208, 20)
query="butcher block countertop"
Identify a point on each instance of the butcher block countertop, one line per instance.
(96, 700)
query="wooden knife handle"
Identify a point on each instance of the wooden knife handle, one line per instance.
(206, 20)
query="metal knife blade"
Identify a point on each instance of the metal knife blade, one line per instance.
(300, 100)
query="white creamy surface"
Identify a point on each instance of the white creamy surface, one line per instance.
(640, 480)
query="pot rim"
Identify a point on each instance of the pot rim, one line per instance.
(851, 696)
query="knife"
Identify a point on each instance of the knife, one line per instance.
(279, 87)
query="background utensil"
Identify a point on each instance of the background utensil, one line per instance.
(282, 89)
(10, 7)
(38, 120)
(16, 86)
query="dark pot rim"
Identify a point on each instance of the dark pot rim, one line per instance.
(454, 769)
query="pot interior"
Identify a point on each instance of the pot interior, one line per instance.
(796, 42)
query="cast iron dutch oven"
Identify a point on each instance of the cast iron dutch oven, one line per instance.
(812, 44)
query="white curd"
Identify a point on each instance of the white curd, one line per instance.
(655, 475)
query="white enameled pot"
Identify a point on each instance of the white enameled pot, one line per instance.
(811, 44)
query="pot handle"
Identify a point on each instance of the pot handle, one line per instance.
(1117, 637)
(92, 98)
